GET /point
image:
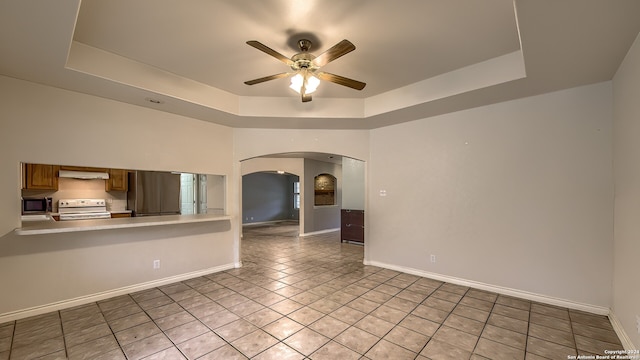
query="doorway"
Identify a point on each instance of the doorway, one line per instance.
(270, 197)
(348, 187)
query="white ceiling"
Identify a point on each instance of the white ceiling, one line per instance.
(419, 58)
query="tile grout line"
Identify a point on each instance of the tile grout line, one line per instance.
(13, 337)
(64, 338)
(443, 320)
(526, 339)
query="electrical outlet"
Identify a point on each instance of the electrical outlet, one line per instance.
(156, 264)
(433, 258)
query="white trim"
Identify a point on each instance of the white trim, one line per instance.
(315, 207)
(622, 334)
(595, 309)
(266, 222)
(82, 300)
(319, 232)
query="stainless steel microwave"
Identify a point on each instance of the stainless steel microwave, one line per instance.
(41, 205)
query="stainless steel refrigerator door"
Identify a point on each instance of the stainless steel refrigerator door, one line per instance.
(148, 200)
(170, 193)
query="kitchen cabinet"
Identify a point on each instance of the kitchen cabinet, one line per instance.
(117, 180)
(40, 177)
(116, 215)
(352, 225)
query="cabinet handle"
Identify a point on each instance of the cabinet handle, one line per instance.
(348, 210)
(348, 225)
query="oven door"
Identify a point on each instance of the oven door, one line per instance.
(84, 216)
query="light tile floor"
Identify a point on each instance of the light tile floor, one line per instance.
(298, 298)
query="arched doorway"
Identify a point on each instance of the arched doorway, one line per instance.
(347, 188)
(270, 196)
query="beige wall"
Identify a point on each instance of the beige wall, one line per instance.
(516, 195)
(36, 123)
(249, 143)
(626, 275)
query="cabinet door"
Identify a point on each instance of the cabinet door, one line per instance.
(120, 215)
(352, 227)
(117, 180)
(41, 177)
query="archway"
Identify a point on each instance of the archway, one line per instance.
(314, 219)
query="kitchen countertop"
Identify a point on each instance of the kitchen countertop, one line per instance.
(52, 227)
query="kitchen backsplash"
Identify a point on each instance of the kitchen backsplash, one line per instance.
(83, 189)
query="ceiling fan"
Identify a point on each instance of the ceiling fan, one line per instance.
(305, 66)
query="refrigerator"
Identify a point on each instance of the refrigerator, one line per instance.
(153, 193)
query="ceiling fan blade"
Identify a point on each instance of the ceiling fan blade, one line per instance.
(341, 80)
(339, 49)
(266, 78)
(264, 48)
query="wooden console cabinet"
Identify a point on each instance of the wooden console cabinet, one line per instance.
(352, 225)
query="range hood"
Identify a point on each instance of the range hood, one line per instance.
(84, 175)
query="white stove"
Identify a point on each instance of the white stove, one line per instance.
(82, 209)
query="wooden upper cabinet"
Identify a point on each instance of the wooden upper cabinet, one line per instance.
(117, 180)
(40, 177)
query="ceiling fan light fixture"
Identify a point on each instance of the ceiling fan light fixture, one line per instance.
(311, 83)
(305, 65)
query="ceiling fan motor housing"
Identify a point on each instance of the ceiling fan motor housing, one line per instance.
(303, 59)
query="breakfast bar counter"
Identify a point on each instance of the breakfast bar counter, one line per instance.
(52, 227)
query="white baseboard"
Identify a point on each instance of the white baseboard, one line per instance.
(594, 309)
(319, 232)
(267, 222)
(64, 304)
(617, 327)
